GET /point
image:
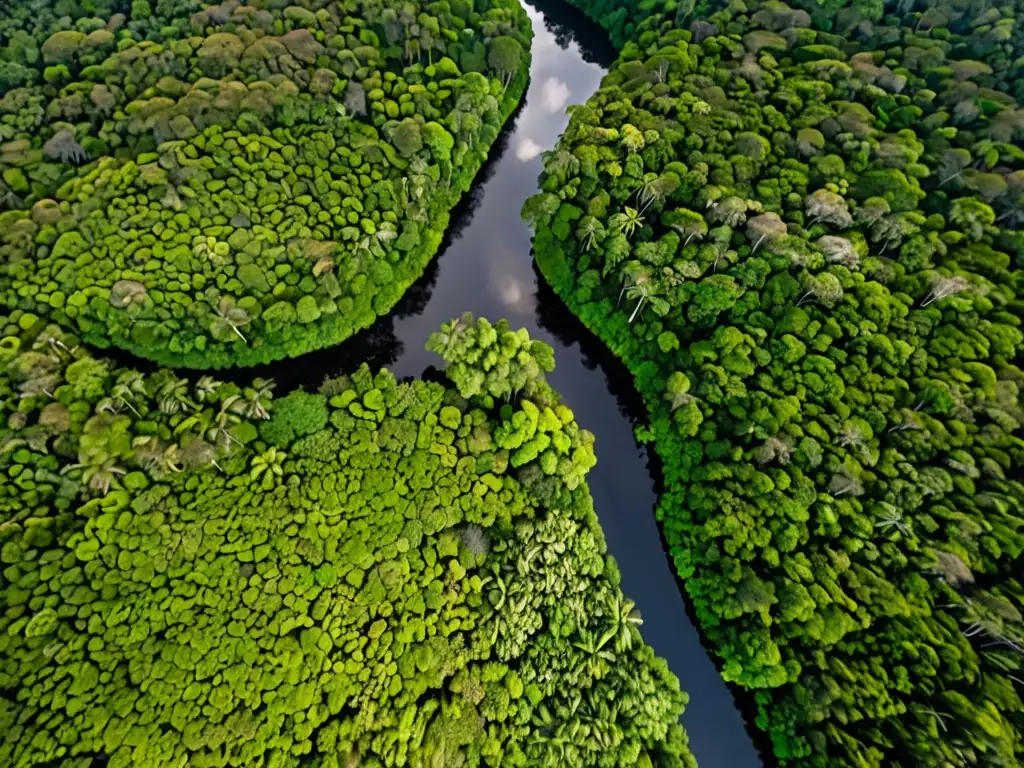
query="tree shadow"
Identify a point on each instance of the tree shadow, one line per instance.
(571, 26)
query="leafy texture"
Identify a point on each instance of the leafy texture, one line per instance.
(809, 258)
(272, 177)
(382, 573)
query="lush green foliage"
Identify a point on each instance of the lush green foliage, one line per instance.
(918, 33)
(212, 185)
(492, 360)
(914, 33)
(403, 578)
(810, 261)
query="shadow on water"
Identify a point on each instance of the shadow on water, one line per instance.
(378, 346)
(569, 27)
(569, 330)
(485, 267)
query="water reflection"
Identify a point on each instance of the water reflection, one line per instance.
(567, 29)
(485, 267)
(527, 149)
(554, 95)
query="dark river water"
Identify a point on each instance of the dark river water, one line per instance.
(485, 267)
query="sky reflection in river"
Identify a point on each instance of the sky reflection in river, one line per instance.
(527, 149)
(485, 267)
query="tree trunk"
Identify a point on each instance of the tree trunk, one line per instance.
(624, 287)
(638, 305)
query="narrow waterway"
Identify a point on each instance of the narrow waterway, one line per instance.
(485, 267)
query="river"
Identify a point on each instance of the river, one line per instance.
(485, 267)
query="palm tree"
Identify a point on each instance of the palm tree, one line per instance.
(429, 38)
(99, 473)
(647, 293)
(590, 231)
(255, 399)
(654, 188)
(384, 235)
(148, 451)
(40, 384)
(198, 454)
(59, 347)
(892, 517)
(229, 318)
(219, 433)
(207, 388)
(688, 224)
(172, 394)
(364, 246)
(624, 614)
(633, 273)
(996, 621)
(36, 437)
(171, 458)
(194, 424)
(451, 334)
(561, 163)
(638, 292)
(267, 466)
(945, 286)
(939, 717)
(677, 391)
(109, 405)
(412, 48)
(627, 221)
(594, 654)
(129, 385)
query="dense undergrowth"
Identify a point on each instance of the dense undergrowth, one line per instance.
(227, 184)
(380, 573)
(807, 249)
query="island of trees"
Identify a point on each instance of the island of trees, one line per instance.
(227, 184)
(800, 228)
(377, 573)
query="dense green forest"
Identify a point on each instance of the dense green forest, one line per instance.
(984, 31)
(227, 184)
(799, 226)
(801, 232)
(378, 573)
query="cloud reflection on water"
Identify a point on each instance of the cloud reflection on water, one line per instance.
(527, 149)
(554, 94)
